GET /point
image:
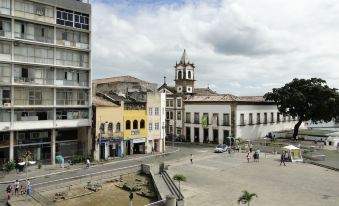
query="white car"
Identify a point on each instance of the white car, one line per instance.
(221, 148)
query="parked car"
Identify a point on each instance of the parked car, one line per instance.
(221, 148)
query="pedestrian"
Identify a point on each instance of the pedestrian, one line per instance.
(152, 150)
(258, 154)
(287, 156)
(88, 163)
(9, 191)
(191, 158)
(248, 157)
(282, 158)
(229, 151)
(22, 189)
(251, 148)
(16, 187)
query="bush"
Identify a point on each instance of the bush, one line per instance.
(10, 165)
(80, 159)
(39, 165)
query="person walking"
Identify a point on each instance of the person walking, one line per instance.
(248, 157)
(16, 187)
(9, 192)
(282, 158)
(88, 163)
(251, 148)
(191, 158)
(229, 151)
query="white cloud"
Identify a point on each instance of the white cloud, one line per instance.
(240, 46)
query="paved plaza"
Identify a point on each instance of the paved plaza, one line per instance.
(218, 179)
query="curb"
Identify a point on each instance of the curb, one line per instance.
(324, 166)
(108, 163)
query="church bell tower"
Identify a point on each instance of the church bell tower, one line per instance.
(184, 75)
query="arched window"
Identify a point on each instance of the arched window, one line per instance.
(117, 127)
(102, 128)
(179, 75)
(189, 75)
(128, 124)
(142, 124)
(135, 124)
(110, 127)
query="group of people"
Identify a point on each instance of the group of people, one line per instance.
(256, 155)
(19, 189)
(285, 157)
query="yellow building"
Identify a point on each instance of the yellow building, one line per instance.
(120, 126)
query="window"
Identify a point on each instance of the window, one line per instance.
(189, 75)
(179, 115)
(171, 115)
(156, 126)
(150, 111)
(156, 111)
(178, 102)
(205, 115)
(81, 21)
(64, 17)
(258, 118)
(118, 127)
(167, 115)
(226, 119)
(242, 119)
(278, 117)
(150, 126)
(272, 117)
(135, 124)
(142, 124)
(69, 114)
(33, 115)
(196, 118)
(265, 118)
(188, 117)
(110, 127)
(128, 124)
(180, 75)
(250, 118)
(167, 103)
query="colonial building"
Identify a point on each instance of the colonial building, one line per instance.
(125, 125)
(45, 75)
(202, 115)
(175, 95)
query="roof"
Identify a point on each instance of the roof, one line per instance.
(204, 91)
(119, 79)
(99, 101)
(184, 58)
(290, 147)
(251, 99)
(225, 98)
(211, 98)
(169, 88)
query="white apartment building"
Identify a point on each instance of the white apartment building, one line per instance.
(156, 107)
(45, 75)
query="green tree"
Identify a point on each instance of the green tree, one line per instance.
(179, 178)
(246, 197)
(306, 99)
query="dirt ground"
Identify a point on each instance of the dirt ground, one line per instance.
(108, 196)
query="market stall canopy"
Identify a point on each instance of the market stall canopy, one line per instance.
(290, 147)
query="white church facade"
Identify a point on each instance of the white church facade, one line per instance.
(202, 115)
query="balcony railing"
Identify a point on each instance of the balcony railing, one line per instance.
(25, 80)
(72, 102)
(32, 37)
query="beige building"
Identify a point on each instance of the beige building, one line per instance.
(156, 103)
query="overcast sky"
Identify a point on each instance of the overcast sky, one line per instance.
(243, 47)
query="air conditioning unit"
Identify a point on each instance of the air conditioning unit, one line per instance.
(16, 43)
(7, 105)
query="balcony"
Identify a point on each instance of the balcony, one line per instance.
(39, 81)
(32, 37)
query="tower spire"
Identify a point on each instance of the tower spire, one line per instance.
(184, 58)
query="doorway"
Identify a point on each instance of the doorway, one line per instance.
(215, 136)
(206, 140)
(188, 134)
(196, 134)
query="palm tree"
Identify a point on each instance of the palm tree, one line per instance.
(179, 178)
(246, 197)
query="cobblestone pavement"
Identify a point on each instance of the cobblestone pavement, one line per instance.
(218, 179)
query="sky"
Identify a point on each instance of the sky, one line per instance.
(241, 47)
